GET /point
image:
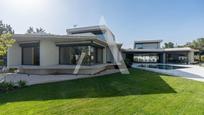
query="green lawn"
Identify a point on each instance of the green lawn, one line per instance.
(141, 92)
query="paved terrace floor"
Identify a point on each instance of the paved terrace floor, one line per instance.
(39, 79)
(193, 72)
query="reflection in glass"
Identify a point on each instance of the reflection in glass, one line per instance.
(71, 55)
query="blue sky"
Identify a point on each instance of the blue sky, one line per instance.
(178, 21)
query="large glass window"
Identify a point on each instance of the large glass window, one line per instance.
(138, 46)
(177, 57)
(71, 55)
(149, 58)
(30, 56)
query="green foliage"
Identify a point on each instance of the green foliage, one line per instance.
(6, 86)
(198, 44)
(12, 70)
(202, 58)
(5, 28)
(37, 30)
(188, 44)
(6, 41)
(169, 45)
(140, 92)
(30, 30)
(21, 83)
(128, 63)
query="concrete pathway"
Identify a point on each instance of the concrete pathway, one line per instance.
(193, 72)
(40, 79)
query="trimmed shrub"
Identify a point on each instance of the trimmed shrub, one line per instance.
(128, 63)
(12, 70)
(6, 86)
(21, 83)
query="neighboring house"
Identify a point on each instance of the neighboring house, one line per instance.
(150, 51)
(59, 54)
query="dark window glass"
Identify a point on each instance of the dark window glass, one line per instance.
(30, 56)
(71, 55)
(177, 57)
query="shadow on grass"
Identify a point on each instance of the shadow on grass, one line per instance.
(139, 82)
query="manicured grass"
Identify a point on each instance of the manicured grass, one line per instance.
(141, 92)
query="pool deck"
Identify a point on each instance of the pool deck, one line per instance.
(193, 72)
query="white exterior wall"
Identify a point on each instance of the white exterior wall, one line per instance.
(14, 57)
(49, 53)
(104, 55)
(191, 57)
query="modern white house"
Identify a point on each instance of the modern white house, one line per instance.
(59, 54)
(150, 51)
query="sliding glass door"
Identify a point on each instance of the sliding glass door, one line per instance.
(177, 57)
(71, 55)
(30, 56)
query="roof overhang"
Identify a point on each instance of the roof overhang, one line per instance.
(143, 50)
(187, 49)
(31, 38)
(101, 28)
(148, 41)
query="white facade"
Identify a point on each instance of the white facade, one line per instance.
(48, 46)
(14, 55)
(191, 57)
(49, 53)
(46, 53)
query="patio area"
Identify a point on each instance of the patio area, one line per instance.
(62, 69)
(40, 79)
(193, 72)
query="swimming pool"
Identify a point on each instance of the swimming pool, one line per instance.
(159, 66)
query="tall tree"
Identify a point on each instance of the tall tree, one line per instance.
(198, 44)
(30, 30)
(5, 28)
(169, 45)
(188, 44)
(37, 30)
(40, 30)
(6, 40)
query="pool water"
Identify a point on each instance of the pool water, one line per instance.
(166, 67)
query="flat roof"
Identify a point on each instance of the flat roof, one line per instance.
(143, 50)
(87, 28)
(101, 28)
(56, 38)
(160, 50)
(179, 49)
(148, 41)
